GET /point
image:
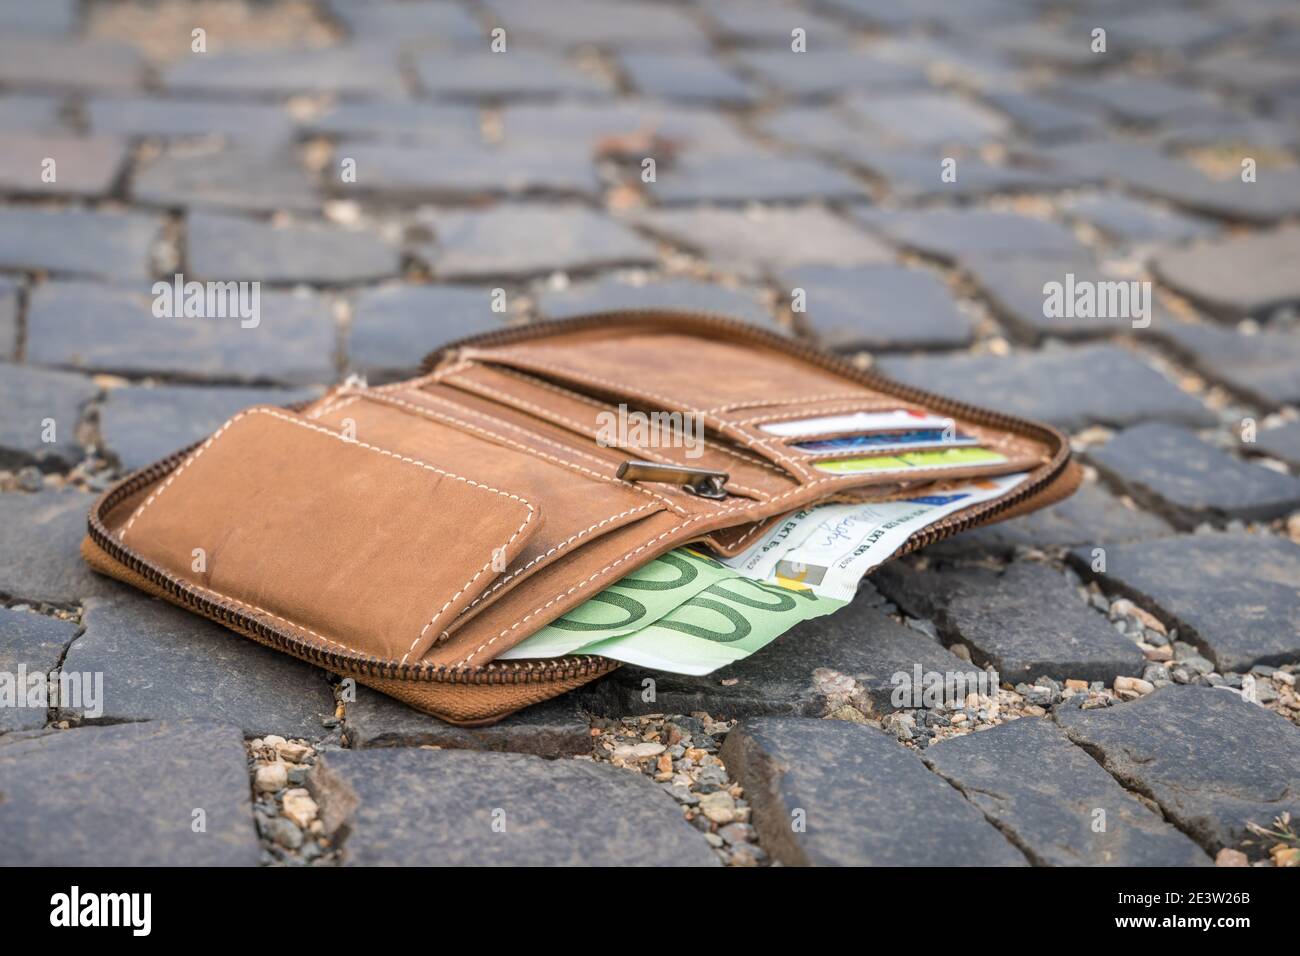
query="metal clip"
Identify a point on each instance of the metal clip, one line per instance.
(698, 481)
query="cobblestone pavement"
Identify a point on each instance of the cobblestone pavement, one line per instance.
(901, 190)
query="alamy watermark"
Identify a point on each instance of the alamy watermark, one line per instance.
(1086, 299)
(82, 691)
(933, 689)
(208, 300)
(630, 429)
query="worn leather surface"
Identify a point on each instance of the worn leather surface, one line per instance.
(441, 520)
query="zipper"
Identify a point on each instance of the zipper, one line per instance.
(701, 482)
(570, 667)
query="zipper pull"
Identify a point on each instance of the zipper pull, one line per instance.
(698, 481)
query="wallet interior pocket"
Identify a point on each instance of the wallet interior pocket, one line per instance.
(627, 432)
(584, 500)
(354, 544)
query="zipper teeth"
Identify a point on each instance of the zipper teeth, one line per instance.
(563, 667)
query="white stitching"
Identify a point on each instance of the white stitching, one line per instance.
(427, 412)
(614, 564)
(721, 424)
(849, 407)
(382, 451)
(578, 396)
(556, 417)
(782, 402)
(542, 557)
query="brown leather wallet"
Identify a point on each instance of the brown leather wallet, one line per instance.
(407, 534)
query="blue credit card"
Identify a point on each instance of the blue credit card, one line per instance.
(884, 441)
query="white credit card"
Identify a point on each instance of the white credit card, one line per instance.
(898, 419)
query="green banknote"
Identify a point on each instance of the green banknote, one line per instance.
(682, 612)
(724, 623)
(640, 598)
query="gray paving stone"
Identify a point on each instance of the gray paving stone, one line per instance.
(433, 24)
(952, 235)
(49, 16)
(456, 807)
(224, 248)
(1042, 118)
(858, 798)
(893, 14)
(113, 329)
(127, 796)
(770, 23)
(32, 113)
(395, 326)
(1015, 285)
(83, 241)
(515, 74)
(830, 72)
(950, 59)
(429, 173)
(9, 305)
(40, 535)
(1237, 595)
(361, 70)
(253, 124)
(858, 641)
(753, 242)
(1239, 275)
(1282, 443)
(623, 126)
(1091, 516)
(751, 177)
(1027, 622)
(879, 307)
(589, 22)
(610, 293)
(162, 663)
(1144, 169)
(554, 728)
(927, 119)
(1191, 482)
(1212, 761)
(141, 423)
(1071, 388)
(1140, 100)
(83, 166)
(1132, 221)
(1248, 135)
(398, 120)
(1168, 30)
(40, 404)
(1053, 816)
(1039, 44)
(697, 77)
(917, 173)
(58, 63)
(30, 644)
(527, 240)
(237, 178)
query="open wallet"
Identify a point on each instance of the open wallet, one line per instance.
(407, 535)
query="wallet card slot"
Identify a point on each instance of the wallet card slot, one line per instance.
(398, 543)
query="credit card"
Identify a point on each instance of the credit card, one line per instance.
(898, 419)
(889, 441)
(948, 458)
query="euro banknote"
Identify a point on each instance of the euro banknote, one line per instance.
(688, 613)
